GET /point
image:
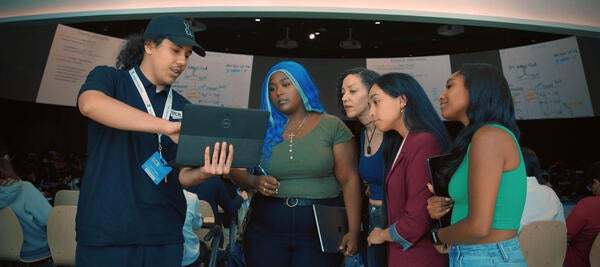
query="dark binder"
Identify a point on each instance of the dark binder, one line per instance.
(440, 183)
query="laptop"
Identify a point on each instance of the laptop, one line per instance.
(203, 126)
(440, 183)
(332, 225)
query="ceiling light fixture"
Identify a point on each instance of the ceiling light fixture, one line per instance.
(450, 30)
(286, 42)
(196, 25)
(350, 43)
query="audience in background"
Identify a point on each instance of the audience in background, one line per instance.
(194, 251)
(31, 208)
(541, 203)
(544, 179)
(562, 179)
(583, 223)
(217, 194)
(399, 103)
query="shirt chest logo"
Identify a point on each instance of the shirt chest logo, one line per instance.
(176, 114)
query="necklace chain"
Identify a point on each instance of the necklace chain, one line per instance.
(291, 135)
(369, 138)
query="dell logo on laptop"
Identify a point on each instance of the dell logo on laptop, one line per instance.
(226, 123)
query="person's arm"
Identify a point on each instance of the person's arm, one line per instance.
(491, 149)
(217, 164)
(113, 113)
(560, 210)
(574, 221)
(37, 206)
(235, 203)
(242, 178)
(346, 172)
(415, 221)
(194, 212)
(224, 200)
(266, 185)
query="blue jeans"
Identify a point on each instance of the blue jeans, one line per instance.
(282, 236)
(376, 254)
(504, 253)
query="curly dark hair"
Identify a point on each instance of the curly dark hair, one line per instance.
(132, 52)
(367, 77)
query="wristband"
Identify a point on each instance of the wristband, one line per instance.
(434, 236)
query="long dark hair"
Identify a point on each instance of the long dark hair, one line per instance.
(419, 114)
(132, 52)
(490, 101)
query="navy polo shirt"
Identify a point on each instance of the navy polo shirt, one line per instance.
(118, 203)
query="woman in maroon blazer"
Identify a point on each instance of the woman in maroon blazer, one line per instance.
(398, 103)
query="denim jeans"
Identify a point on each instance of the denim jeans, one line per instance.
(504, 253)
(376, 254)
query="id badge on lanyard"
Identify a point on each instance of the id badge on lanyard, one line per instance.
(156, 167)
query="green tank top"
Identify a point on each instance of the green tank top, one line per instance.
(511, 193)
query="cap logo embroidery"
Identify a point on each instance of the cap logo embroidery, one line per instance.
(188, 31)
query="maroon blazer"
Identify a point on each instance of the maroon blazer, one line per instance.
(406, 200)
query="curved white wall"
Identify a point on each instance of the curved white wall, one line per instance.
(578, 17)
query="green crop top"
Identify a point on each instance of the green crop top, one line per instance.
(511, 193)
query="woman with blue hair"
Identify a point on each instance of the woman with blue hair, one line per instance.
(308, 158)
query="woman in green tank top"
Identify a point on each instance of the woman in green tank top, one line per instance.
(488, 180)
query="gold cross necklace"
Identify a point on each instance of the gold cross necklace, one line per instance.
(293, 134)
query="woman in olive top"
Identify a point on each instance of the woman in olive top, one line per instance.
(488, 179)
(310, 158)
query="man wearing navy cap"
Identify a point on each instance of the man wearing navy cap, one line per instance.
(131, 207)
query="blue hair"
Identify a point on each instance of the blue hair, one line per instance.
(307, 90)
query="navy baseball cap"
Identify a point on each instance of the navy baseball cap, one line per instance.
(176, 30)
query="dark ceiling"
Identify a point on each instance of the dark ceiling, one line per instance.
(387, 39)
